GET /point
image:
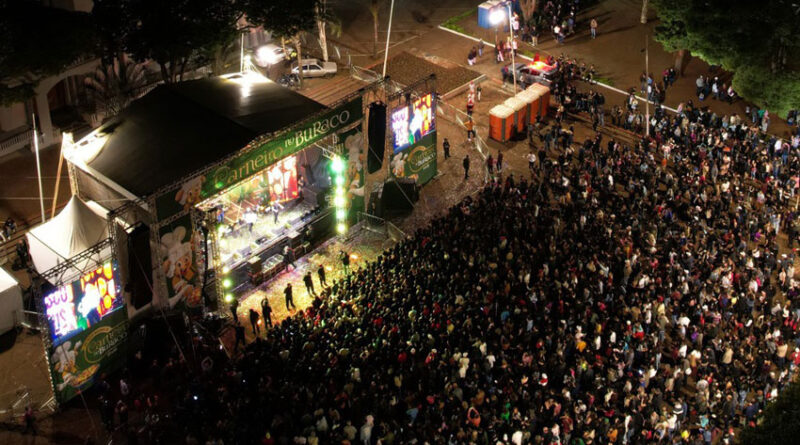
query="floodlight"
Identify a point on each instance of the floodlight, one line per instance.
(497, 16)
(337, 165)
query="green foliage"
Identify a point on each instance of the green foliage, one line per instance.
(780, 421)
(604, 80)
(176, 33)
(283, 18)
(37, 42)
(756, 42)
(779, 92)
(453, 22)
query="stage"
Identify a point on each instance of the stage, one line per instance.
(363, 247)
(240, 244)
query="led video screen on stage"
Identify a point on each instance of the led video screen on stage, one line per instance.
(282, 180)
(77, 306)
(413, 122)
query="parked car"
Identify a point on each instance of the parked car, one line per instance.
(271, 54)
(529, 73)
(315, 68)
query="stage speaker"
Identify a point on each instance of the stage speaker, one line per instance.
(140, 265)
(375, 205)
(399, 195)
(376, 136)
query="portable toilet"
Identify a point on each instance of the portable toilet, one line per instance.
(501, 123)
(542, 97)
(520, 112)
(528, 98)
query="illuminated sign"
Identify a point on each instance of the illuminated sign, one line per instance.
(413, 122)
(77, 306)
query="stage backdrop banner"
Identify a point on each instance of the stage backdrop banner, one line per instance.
(417, 161)
(352, 146)
(88, 329)
(181, 252)
(247, 164)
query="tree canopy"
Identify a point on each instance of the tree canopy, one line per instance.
(37, 42)
(177, 33)
(283, 18)
(757, 42)
(780, 421)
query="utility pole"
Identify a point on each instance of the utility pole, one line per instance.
(513, 40)
(38, 166)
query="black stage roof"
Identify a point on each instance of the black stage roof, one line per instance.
(177, 129)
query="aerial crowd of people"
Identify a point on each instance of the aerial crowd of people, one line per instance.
(630, 290)
(627, 292)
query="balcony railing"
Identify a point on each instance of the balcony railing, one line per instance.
(24, 139)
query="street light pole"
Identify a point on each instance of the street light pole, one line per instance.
(388, 37)
(513, 40)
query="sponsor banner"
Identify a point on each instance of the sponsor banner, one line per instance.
(181, 252)
(417, 161)
(247, 164)
(351, 145)
(88, 327)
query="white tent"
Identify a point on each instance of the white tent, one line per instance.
(77, 227)
(10, 302)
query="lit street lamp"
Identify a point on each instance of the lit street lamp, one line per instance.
(496, 17)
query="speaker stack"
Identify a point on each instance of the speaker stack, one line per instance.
(400, 195)
(140, 266)
(376, 136)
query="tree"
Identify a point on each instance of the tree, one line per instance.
(37, 42)
(325, 18)
(113, 24)
(113, 86)
(643, 18)
(780, 421)
(285, 19)
(173, 33)
(374, 8)
(528, 8)
(758, 45)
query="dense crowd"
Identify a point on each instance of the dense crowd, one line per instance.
(624, 294)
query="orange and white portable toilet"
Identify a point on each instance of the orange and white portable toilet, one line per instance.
(501, 123)
(520, 112)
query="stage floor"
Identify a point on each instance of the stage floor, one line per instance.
(364, 246)
(234, 244)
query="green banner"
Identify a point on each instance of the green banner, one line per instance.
(247, 164)
(418, 161)
(76, 363)
(351, 145)
(181, 253)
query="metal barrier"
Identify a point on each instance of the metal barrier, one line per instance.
(13, 403)
(30, 320)
(381, 226)
(313, 45)
(459, 118)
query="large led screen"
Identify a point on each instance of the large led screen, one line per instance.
(413, 122)
(77, 306)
